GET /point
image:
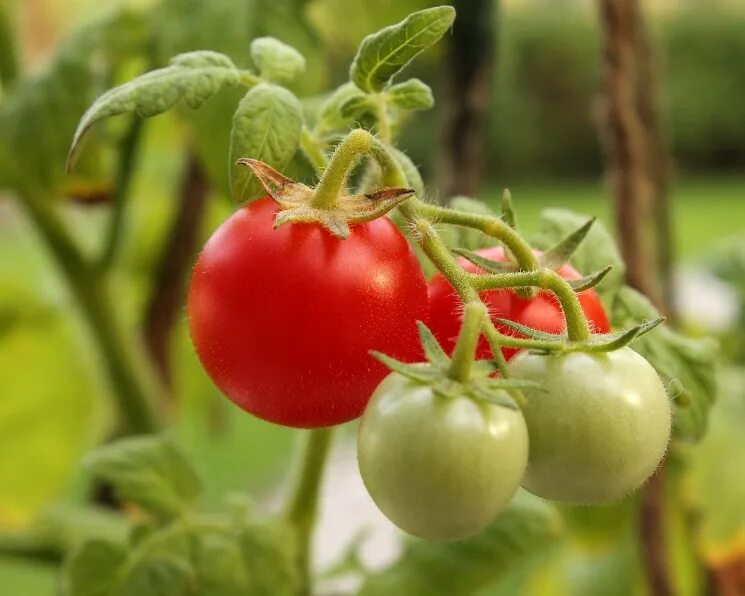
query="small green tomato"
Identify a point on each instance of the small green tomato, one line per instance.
(600, 428)
(439, 467)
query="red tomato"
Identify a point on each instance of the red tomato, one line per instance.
(283, 319)
(542, 312)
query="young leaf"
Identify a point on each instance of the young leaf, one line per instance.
(385, 53)
(597, 250)
(411, 95)
(432, 348)
(149, 471)
(355, 106)
(523, 531)
(276, 61)
(193, 77)
(416, 372)
(266, 126)
(330, 116)
(563, 250)
(691, 362)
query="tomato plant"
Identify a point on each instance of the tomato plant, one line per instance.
(283, 319)
(303, 300)
(541, 312)
(598, 429)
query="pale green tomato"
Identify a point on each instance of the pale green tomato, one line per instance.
(441, 468)
(600, 428)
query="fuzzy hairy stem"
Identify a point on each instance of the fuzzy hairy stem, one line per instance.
(334, 178)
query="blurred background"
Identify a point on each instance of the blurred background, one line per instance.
(528, 98)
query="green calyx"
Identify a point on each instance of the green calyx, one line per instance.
(450, 378)
(299, 203)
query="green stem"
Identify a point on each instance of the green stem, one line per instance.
(491, 226)
(577, 328)
(334, 178)
(10, 64)
(465, 348)
(131, 387)
(313, 151)
(127, 153)
(302, 507)
(383, 119)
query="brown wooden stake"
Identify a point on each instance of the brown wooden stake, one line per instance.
(634, 154)
(167, 295)
(470, 64)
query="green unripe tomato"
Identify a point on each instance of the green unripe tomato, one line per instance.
(441, 468)
(599, 429)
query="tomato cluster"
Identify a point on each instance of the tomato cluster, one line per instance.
(284, 321)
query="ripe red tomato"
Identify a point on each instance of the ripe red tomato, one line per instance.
(283, 319)
(542, 312)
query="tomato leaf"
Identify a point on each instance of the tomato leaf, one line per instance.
(193, 77)
(687, 362)
(383, 54)
(597, 250)
(411, 95)
(330, 116)
(266, 126)
(92, 570)
(416, 372)
(275, 60)
(522, 531)
(149, 471)
(355, 106)
(39, 116)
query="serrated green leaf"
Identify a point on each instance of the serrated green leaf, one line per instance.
(432, 348)
(383, 54)
(276, 61)
(521, 532)
(597, 250)
(411, 95)
(193, 77)
(38, 119)
(149, 471)
(691, 362)
(266, 126)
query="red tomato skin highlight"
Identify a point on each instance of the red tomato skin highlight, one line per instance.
(283, 319)
(542, 312)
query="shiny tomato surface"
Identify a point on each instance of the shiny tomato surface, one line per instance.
(283, 319)
(542, 312)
